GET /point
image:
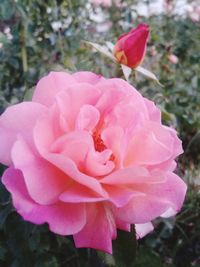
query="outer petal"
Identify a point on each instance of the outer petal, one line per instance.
(143, 229)
(158, 198)
(50, 85)
(87, 77)
(44, 181)
(154, 112)
(150, 146)
(17, 120)
(99, 229)
(63, 218)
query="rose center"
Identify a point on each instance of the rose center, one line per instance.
(99, 144)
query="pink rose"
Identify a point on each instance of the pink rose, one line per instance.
(130, 47)
(89, 155)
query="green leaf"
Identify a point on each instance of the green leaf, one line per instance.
(124, 248)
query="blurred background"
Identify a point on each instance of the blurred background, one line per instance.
(37, 36)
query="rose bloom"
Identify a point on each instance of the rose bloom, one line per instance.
(130, 48)
(89, 155)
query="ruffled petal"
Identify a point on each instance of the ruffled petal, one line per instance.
(87, 118)
(99, 230)
(44, 181)
(158, 198)
(80, 194)
(70, 168)
(63, 218)
(87, 77)
(152, 145)
(49, 86)
(17, 120)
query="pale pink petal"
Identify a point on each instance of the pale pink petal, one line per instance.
(49, 86)
(142, 209)
(116, 84)
(17, 120)
(98, 163)
(120, 195)
(125, 114)
(157, 199)
(154, 112)
(77, 193)
(99, 229)
(143, 229)
(67, 145)
(151, 145)
(87, 118)
(63, 218)
(44, 181)
(70, 102)
(129, 176)
(113, 139)
(70, 168)
(87, 77)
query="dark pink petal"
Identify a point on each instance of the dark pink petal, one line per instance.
(99, 230)
(63, 218)
(44, 181)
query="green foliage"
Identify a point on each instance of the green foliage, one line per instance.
(47, 35)
(124, 248)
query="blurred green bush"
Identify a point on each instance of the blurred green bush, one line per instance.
(38, 36)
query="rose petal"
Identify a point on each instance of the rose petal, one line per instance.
(87, 118)
(17, 120)
(63, 218)
(157, 199)
(151, 145)
(49, 86)
(78, 194)
(99, 229)
(70, 168)
(143, 229)
(44, 181)
(87, 77)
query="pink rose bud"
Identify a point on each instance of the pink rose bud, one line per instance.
(173, 59)
(130, 48)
